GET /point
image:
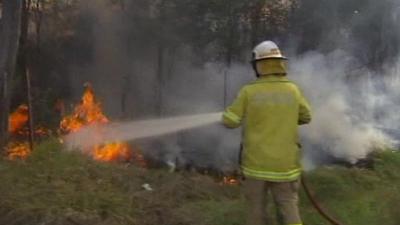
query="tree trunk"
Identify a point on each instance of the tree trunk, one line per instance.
(38, 15)
(23, 45)
(161, 49)
(9, 41)
(160, 78)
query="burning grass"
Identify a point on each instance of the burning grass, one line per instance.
(18, 150)
(87, 113)
(18, 119)
(60, 187)
(18, 147)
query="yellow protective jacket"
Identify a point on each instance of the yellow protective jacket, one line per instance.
(270, 110)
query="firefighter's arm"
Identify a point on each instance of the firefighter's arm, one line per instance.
(304, 111)
(233, 115)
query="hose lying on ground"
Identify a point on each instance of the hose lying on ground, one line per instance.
(316, 205)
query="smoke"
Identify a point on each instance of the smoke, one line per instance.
(354, 108)
(347, 121)
(351, 78)
(124, 75)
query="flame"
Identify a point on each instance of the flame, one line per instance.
(17, 124)
(18, 150)
(112, 152)
(230, 180)
(89, 112)
(18, 119)
(16, 127)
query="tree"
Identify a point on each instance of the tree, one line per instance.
(366, 29)
(9, 41)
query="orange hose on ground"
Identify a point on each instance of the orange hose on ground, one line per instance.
(316, 205)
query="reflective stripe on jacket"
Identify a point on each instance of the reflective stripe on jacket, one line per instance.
(270, 110)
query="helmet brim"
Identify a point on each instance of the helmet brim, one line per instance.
(280, 57)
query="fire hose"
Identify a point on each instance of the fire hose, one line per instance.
(310, 197)
(316, 205)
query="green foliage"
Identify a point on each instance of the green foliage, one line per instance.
(359, 196)
(228, 212)
(55, 186)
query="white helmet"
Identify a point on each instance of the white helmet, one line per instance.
(267, 50)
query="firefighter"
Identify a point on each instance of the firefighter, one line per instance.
(270, 110)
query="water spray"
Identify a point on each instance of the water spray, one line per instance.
(125, 131)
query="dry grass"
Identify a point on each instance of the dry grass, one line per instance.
(57, 187)
(54, 187)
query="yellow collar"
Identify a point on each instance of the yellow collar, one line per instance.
(272, 78)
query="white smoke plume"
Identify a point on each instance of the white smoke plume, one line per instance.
(355, 111)
(345, 123)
